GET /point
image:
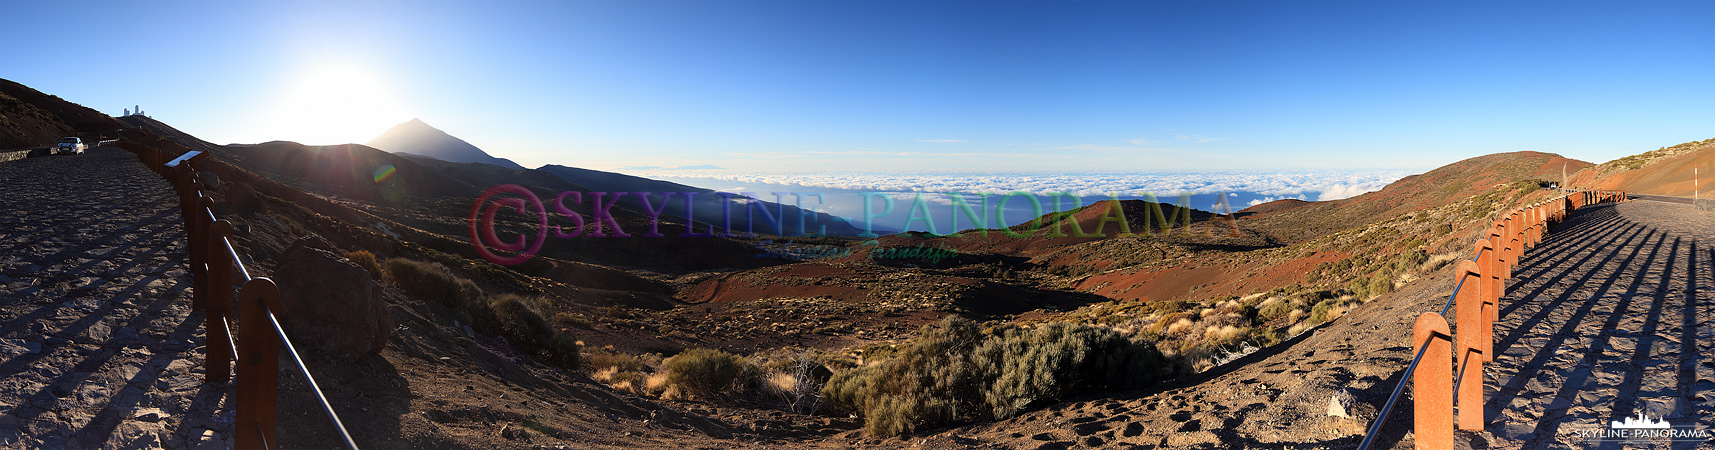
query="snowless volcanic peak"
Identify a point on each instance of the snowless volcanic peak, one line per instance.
(418, 138)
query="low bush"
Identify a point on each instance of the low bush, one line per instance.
(1276, 310)
(517, 318)
(521, 325)
(703, 372)
(956, 371)
(366, 260)
(433, 281)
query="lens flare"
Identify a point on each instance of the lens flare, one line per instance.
(384, 172)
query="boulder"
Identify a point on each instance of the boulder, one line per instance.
(209, 179)
(245, 198)
(331, 303)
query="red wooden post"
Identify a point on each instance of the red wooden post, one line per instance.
(219, 286)
(1505, 247)
(1490, 291)
(258, 366)
(1541, 225)
(1432, 383)
(1535, 225)
(1471, 317)
(199, 251)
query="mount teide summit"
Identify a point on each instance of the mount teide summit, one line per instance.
(418, 138)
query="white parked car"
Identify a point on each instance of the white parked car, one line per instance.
(71, 145)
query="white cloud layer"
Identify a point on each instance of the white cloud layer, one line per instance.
(1323, 185)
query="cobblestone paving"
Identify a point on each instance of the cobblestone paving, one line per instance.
(98, 346)
(1673, 218)
(1607, 319)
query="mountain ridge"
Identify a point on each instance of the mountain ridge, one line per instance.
(417, 137)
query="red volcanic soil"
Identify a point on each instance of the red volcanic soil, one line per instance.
(1667, 171)
(1202, 279)
(1151, 285)
(1443, 185)
(1272, 207)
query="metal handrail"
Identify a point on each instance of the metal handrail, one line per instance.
(305, 371)
(1370, 436)
(1375, 427)
(152, 159)
(274, 321)
(290, 350)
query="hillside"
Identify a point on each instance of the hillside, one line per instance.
(30, 118)
(1665, 171)
(1446, 184)
(167, 131)
(418, 138)
(710, 206)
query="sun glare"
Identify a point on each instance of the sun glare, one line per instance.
(336, 105)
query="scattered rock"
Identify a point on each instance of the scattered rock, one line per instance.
(12, 347)
(1340, 404)
(135, 435)
(204, 440)
(149, 414)
(331, 303)
(97, 333)
(209, 179)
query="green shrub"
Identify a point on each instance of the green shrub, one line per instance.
(366, 260)
(433, 281)
(703, 372)
(1276, 310)
(1359, 287)
(1169, 306)
(521, 325)
(846, 389)
(1319, 313)
(954, 371)
(1265, 336)
(1032, 366)
(1410, 261)
(1381, 283)
(598, 359)
(564, 350)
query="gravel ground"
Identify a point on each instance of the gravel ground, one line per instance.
(1608, 319)
(98, 347)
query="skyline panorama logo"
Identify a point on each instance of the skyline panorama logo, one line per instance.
(601, 223)
(1642, 428)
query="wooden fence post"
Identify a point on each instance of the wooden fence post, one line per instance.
(1490, 290)
(1432, 383)
(1471, 317)
(258, 366)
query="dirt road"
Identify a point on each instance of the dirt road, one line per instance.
(98, 347)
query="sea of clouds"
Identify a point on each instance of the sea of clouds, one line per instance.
(1305, 185)
(850, 195)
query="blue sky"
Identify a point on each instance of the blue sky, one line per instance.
(905, 85)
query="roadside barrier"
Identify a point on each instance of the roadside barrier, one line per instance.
(212, 264)
(1448, 372)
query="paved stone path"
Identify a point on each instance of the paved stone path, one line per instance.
(1607, 319)
(98, 346)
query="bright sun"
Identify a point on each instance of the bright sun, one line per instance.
(336, 105)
